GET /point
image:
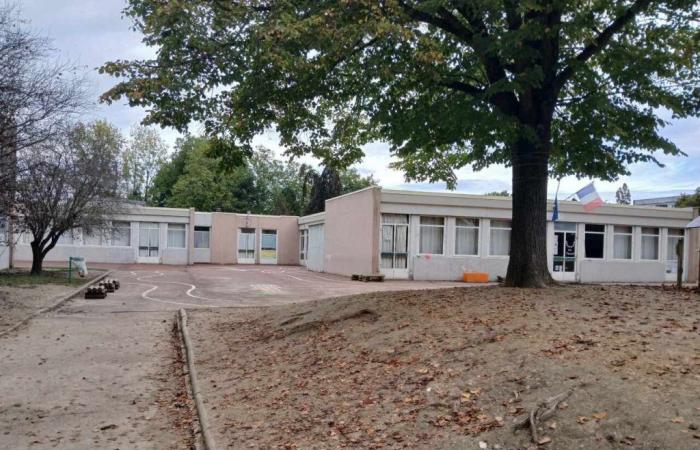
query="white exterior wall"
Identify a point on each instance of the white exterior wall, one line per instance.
(4, 257)
(449, 266)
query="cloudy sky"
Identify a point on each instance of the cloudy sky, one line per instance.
(90, 32)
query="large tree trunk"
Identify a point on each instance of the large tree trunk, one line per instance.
(527, 266)
(37, 259)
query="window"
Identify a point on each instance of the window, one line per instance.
(500, 238)
(149, 238)
(92, 239)
(66, 238)
(201, 237)
(650, 243)
(595, 241)
(303, 239)
(675, 235)
(121, 234)
(394, 245)
(466, 236)
(176, 235)
(622, 242)
(432, 232)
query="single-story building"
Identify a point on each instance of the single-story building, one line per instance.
(401, 234)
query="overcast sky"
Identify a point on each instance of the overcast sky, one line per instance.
(90, 32)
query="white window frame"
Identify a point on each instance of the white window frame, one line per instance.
(605, 241)
(178, 230)
(303, 243)
(200, 233)
(123, 225)
(658, 244)
(631, 237)
(420, 227)
(510, 236)
(467, 227)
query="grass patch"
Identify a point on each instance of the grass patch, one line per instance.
(21, 277)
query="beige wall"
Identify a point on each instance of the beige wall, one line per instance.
(352, 233)
(224, 236)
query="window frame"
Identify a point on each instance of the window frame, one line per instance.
(208, 233)
(420, 236)
(510, 236)
(184, 232)
(658, 243)
(631, 240)
(605, 241)
(303, 243)
(476, 227)
(126, 227)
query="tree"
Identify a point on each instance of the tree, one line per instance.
(689, 200)
(498, 194)
(143, 158)
(38, 95)
(70, 182)
(351, 180)
(544, 86)
(623, 195)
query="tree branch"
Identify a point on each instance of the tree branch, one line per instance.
(600, 42)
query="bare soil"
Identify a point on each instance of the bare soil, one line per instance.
(18, 302)
(456, 369)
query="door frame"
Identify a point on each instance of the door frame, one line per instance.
(565, 275)
(393, 272)
(238, 243)
(269, 261)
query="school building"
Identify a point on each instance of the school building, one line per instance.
(401, 234)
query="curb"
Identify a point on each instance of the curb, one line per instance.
(56, 305)
(194, 385)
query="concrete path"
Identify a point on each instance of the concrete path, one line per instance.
(93, 375)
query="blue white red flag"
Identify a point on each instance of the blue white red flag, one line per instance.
(589, 197)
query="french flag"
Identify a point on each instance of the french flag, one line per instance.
(589, 197)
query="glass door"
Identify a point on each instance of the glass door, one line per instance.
(149, 233)
(246, 246)
(564, 261)
(268, 247)
(394, 246)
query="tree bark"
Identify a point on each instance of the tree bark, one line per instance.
(37, 259)
(527, 266)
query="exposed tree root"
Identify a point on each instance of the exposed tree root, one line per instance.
(543, 411)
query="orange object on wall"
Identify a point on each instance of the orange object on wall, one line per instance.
(475, 277)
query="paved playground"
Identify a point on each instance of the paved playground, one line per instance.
(107, 373)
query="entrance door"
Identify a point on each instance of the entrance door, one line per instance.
(268, 247)
(246, 246)
(316, 253)
(564, 264)
(393, 253)
(149, 234)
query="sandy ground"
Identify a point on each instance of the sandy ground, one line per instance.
(18, 302)
(455, 368)
(96, 374)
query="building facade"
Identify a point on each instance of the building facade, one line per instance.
(401, 234)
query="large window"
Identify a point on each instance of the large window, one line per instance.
(149, 238)
(201, 237)
(121, 234)
(466, 236)
(66, 238)
(394, 245)
(595, 241)
(432, 233)
(650, 243)
(500, 238)
(176, 235)
(675, 235)
(303, 239)
(246, 244)
(95, 238)
(622, 242)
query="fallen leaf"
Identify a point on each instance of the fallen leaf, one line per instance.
(544, 440)
(677, 420)
(600, 415)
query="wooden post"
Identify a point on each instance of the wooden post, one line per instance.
(679, 266)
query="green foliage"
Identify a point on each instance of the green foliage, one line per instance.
(195, 177)
(623, 196)
(447, 83)
(689, 200)
(498, 194)
(142, 159)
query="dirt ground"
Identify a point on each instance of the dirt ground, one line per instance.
(455, 369)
